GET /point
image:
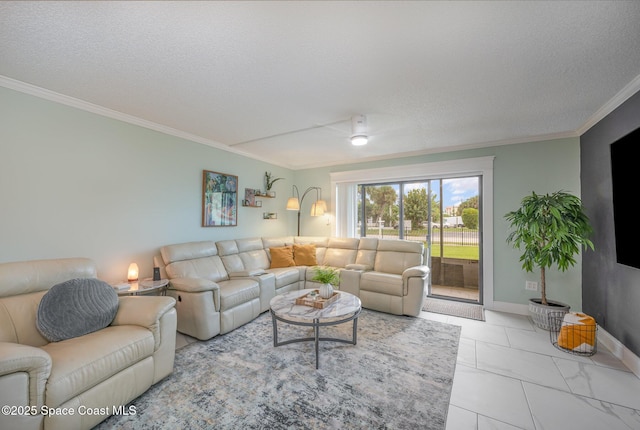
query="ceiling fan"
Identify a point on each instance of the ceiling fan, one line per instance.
(359, 134)
(359, 130)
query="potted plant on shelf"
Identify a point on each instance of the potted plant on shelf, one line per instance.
(328, 277)
(269, 183)
(551, 229)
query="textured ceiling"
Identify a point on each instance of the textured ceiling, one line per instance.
(279, 81)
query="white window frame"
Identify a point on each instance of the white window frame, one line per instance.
(344, 192)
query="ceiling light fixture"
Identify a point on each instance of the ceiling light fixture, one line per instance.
(359, 140)
(359, 130)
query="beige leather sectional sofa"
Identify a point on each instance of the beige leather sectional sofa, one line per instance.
(77, 382)
(219, 286)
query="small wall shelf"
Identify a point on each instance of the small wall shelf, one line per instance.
(265, 195)
(250, 198)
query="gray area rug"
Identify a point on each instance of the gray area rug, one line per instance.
(453, 308)
(398, 376)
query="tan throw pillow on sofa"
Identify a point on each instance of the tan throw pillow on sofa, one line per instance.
(281, 256)
(305, 255)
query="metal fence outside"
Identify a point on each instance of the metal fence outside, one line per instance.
(459, 236)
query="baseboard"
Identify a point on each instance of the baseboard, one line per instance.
(620, 351)
(616, 347)
(512, 308)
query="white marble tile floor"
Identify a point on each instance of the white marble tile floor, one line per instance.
(509, 376)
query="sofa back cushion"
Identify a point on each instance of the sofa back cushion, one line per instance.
(210, 268)
(18, 319)
(270, 242)
(39, 275)
(188, 251)
(395, 256)
(366, 256)
(22, 285)
(340, 252)
(194, 260)
(253, 254)
(243, 255)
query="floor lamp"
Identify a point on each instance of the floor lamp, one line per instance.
(295, 203)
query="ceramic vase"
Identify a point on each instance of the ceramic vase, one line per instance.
(326, 291)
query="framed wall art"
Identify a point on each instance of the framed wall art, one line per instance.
(219, 199)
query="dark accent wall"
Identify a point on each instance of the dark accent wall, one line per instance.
(610, 291)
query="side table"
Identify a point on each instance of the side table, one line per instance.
(145, 286)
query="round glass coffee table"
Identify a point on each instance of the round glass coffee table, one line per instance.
(345, 308)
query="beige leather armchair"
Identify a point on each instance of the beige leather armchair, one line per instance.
(83, 379)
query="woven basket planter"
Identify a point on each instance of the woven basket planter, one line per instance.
(540, 313)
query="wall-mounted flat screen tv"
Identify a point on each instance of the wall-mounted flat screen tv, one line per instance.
(625, 172)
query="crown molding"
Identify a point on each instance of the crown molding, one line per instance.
(629, 90)
(616, 101)
(53, 96)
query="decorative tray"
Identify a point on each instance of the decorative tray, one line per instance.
(318, 302)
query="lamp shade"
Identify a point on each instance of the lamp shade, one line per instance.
(132, 273)
(293, 204)
(317, 209)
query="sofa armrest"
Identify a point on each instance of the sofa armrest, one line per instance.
(144, 311)
(197, 285)
(247, 273)
(193, 285)
(414, 272)
(350, 280)
(266, 280)
(34, 361)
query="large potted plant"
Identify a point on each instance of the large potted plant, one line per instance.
(550, 229)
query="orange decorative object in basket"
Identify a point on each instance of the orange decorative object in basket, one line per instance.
(577, 332)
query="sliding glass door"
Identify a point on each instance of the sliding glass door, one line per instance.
(443, 213)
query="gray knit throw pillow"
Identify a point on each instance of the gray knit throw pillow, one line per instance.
(76, 307)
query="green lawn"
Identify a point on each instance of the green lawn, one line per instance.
(451, 251)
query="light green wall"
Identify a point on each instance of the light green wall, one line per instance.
(314, 226)
(519, 169)
(73, 183)
(76, 184)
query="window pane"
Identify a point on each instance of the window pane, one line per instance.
(381, 209)
(417, 204)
